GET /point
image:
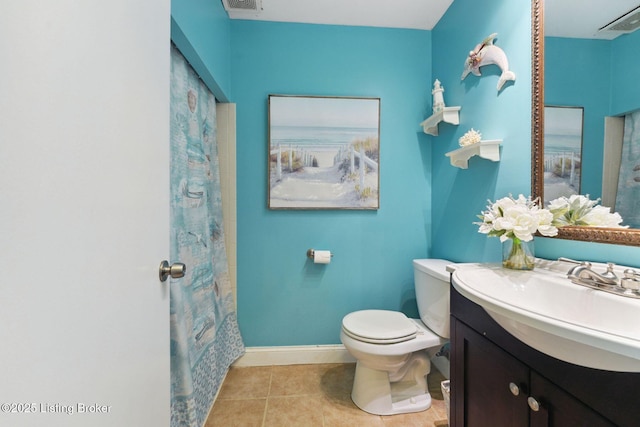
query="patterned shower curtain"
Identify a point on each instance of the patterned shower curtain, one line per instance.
(205, 338)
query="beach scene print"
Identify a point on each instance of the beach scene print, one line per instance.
(562, 151)
(324, 153)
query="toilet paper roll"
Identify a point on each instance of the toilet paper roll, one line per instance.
(322, 257)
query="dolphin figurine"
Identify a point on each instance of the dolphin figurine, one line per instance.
(487, 53)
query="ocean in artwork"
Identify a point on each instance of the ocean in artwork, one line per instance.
(318, 135)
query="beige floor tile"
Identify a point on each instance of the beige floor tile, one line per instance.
(296, 380)
(237, 413)
(440, 408)
(296, 411)
(246, 383)
(342, 412)
(337, 379)
(308, 396)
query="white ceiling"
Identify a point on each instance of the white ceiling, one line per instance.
(416, 14)
(563, 18)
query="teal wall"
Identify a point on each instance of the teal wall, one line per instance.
(601, 75)
(605, 83)
(200, 29)
(427, 206)
(624, 74)
(460, 194)
(587, 85)
(283, 298)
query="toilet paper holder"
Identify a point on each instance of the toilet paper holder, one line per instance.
(311, 253)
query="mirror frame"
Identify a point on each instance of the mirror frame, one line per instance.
(618, 236)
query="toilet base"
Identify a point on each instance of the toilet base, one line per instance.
(375, 393)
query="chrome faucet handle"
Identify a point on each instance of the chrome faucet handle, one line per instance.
(630, 280)
(631, 273)
(610, 273)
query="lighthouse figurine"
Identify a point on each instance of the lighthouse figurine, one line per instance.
(438, 99)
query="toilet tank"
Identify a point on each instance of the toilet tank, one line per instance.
(431, 281)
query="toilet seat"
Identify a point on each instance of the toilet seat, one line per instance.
(379, 326)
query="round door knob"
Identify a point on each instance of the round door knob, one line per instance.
(514, 389)
(175, 270)
(533, 404)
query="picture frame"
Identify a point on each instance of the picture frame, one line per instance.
(563, 136)
(323, 152)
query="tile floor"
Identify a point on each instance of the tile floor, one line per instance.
(308, 396)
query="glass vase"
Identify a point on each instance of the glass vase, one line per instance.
(518, 255)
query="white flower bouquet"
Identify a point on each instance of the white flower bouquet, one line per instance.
(516, 221)
(519, 219)
(580, 210)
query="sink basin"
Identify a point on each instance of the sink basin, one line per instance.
(546, 311)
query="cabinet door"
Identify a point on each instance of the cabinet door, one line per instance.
(559, 409)
(489, 386)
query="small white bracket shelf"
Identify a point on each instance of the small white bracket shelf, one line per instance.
(448, 115)
(489, 150)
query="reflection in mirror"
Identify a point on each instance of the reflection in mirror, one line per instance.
(562, 151)
(577, 64)
(627, 193)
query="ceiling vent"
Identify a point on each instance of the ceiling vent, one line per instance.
(240, 8)
(627, 23)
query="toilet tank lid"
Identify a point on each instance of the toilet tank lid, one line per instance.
(434, 267)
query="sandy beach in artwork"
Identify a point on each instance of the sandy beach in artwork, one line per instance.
(324, 186)
(555, 187)
(325, 157)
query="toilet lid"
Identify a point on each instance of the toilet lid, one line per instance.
(379, 326)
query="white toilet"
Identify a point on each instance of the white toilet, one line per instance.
(392, 351)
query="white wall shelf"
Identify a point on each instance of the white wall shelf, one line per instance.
(489, 150)
(448, 115)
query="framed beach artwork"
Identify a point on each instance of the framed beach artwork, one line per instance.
(324, 152)
(562, 151)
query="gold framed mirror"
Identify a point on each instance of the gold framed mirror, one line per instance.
(620, 236)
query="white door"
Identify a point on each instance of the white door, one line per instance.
(84, 212)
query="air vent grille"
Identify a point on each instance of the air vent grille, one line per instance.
(243, 4)
(627, 23)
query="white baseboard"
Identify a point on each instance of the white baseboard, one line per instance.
(311, 354)
(294, 355)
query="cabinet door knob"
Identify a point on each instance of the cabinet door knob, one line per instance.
(514, 389)
(533, 404)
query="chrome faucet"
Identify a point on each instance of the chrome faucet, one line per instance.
(583, 274)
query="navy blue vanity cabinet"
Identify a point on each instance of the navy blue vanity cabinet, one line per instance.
(496, 380)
